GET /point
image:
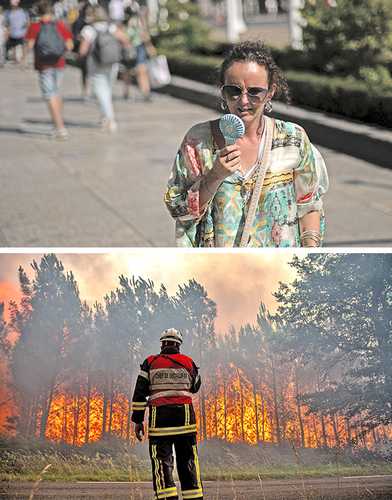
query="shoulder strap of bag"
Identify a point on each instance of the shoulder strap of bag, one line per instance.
(262, 166)
(216, 134)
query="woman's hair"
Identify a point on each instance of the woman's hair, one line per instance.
(96, 14)
(257, 52)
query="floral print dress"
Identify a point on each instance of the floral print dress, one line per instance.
(293, 186)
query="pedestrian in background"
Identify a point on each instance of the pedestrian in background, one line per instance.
(77, 27)
(16, 22)
(101, 42)
(116, 11)
(50, 40)
(138, 34)
(211, 189)
(3, 37)
(166, 384)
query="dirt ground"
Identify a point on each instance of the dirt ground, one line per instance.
(372, 487)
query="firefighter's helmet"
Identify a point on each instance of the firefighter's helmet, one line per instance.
(172, 335)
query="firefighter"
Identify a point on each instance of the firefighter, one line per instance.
(165, 384)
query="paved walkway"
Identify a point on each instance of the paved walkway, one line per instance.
(106, 190)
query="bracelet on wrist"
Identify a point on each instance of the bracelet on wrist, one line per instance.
(311, 235)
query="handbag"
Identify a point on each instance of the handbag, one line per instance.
(158, 71)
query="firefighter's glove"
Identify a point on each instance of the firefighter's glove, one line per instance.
(139, 431)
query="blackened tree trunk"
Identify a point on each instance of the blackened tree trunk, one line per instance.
(335, 430)
(256, 411)
(225, 409)
(76, 414)
(276, 405)
(46, 404)
(263, 419)
(88, 402)
(241, 407)
(300, 421)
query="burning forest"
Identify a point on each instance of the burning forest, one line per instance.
(316, 372)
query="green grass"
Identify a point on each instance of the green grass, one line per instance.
(296, 472)
(20, 465)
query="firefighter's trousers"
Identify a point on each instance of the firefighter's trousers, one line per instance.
(161, 454)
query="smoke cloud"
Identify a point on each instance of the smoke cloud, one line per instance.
(236, 281)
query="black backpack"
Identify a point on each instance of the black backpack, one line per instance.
(50, 45)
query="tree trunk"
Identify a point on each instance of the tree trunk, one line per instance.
(64, 426)
(241, 407)
(375, 440)
(46, 404)
(263, 419)
(301, 424)
(111, 402)
(315, 431)
(129, 415)
(335, 430)
(28, 425)
(324, 432)
(104, 410)
(256, 412)
(88, 401)
(216, 411)
(276, 408)
(348, 430)
(203, 417)
(76, 413)
(225, 409)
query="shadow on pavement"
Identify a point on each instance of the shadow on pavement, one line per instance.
(359, 243)
(359, 182)
(68, 123)
(21, 130)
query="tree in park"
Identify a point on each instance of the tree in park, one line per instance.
(337, 316)
(180, 25)
(352, 37)
(47, 323)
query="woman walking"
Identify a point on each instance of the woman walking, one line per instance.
(101, 43)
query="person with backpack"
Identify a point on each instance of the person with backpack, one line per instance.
(50, 40)
(101, 42)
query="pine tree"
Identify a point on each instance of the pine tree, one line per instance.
(338, 316)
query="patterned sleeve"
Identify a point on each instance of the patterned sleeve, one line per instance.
(182, 193)
(310, 177)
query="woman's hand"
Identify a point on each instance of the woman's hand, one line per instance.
(227, 162)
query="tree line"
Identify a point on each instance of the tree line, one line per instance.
(316, 372)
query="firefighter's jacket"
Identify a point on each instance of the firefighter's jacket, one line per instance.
(165, 384)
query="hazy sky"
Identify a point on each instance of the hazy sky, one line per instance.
(236, 281)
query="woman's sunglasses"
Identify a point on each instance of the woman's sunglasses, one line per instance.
(234, 92)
